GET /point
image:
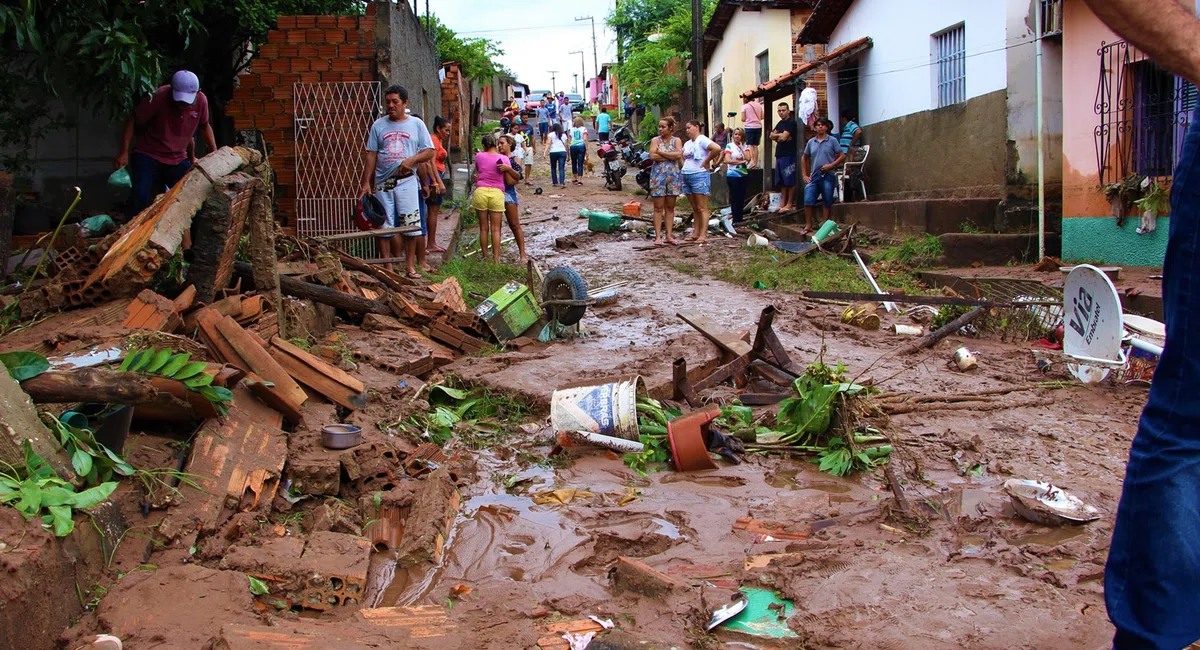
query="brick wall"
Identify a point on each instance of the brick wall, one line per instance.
(302, 49)
(805, 53)
(456, 107)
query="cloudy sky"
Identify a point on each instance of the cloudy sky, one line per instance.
(536, 35)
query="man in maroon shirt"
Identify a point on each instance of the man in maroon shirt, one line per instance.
(165, 124)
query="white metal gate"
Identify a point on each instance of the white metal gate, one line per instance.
(332, 121)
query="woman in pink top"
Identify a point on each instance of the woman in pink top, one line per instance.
(752, 116)
(488, 201)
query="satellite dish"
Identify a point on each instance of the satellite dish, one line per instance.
(1093, 325)
(1143, 325)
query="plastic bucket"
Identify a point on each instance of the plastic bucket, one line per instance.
(774, 200)
(828, 228)
(756, 240)
(608, 408)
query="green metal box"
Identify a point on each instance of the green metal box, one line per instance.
(510, 311)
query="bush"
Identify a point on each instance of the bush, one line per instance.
(648, 127)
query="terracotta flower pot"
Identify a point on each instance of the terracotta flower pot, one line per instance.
(686, 435)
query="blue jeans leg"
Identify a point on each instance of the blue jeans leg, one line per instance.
(150, 178)
(1152, 577)
(558, 168)
(577, 154)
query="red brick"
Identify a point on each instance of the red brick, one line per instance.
(315, 36)
(274, 108)
(285, 149)
(261, 94)
(268, 51)
(286, 22)
(327, 22)
(346, 22)
(234, 109)
(295, 36)
(370, 8)
(306, 22)
(306, 51)
(327, 77)
(341, 65)
(281, 121)
(241, 94)
(327, 50)
(276, 36)
(280, 65)
(300, 65)
(310, 77)
(335, 36)
(289, 79)
(367, 24)
(269, 79)
(320, 65)
(282, 92)
(366, 51)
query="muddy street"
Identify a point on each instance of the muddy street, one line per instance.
(486, 531)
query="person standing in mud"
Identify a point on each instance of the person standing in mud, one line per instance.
(1152, 577)
(666, 180)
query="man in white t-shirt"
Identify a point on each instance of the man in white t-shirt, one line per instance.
(523, 153)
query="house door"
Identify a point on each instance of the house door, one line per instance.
(332, 121)
(715, 95)
(847, 92)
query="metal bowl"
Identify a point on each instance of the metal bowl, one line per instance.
(341, 436)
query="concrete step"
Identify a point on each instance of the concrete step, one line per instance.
(991, 249)
(939, 216)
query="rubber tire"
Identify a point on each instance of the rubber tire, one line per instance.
(564, 283)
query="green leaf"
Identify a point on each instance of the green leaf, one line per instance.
(82, 462)
(119, 464)
(452, 393)
(144, 359)
(258, 587)
(216, 393)
(36, 465)
(199, 381)
(190, 371)
(31, 499)
(94, 496)
(159, 360)
(60, 517)
(57, 496)
(23, 364)
(132, 361)
(176, 363)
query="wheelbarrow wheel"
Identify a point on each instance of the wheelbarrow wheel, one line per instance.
(563, 283)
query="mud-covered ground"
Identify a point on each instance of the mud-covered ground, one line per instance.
(960, 571)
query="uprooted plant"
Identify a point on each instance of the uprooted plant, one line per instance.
(478, 417)
(36, 491)
(166, 363)
(823, 419)
(652, 426)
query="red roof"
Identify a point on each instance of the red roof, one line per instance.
(767, 88)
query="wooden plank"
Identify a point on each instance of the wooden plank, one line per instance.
(346, 236)
(260, 362)
(269, 397)
(327, 380)
(727, 341)
(206, 321)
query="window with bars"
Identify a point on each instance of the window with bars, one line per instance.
(950, 65)
(762, 67)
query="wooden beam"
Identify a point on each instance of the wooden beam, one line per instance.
(319, 293)
(727, 341)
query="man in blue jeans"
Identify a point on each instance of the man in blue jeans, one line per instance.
(1152, 580)
(820, 161)
(165, 124)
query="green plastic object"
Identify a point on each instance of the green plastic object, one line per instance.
(601, 221)
(759, 620)
(120, 179)
(98, 225)
(510, 311)
(828, 228)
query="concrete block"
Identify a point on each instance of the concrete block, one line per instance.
(428, 526)
(632, 575)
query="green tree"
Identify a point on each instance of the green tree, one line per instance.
(477, 56)
(656, 69)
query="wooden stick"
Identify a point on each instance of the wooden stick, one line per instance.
(319, 293)
(399, 230)
(953, 326)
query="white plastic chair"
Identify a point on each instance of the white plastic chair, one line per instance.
(851, 167)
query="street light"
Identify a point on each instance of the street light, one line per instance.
(582, 74)
(552, 88)
(595, 57)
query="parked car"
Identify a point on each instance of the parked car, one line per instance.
(577, 102)
(534, 101)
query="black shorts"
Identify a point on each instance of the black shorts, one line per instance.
(754, 137)
(434, 197)
(603, 136)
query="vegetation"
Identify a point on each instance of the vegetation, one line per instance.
(655, 69)
(480, 418)
(166, 363)
(920, 251)
(814, 273)
(477, 56)
(479, 277)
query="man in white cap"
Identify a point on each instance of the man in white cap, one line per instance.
(165, 124)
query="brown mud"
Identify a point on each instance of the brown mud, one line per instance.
(965, 572)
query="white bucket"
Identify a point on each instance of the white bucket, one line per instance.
(774, 200)
(907, 330)
(756, 239)
(608, 408)
(572, 438)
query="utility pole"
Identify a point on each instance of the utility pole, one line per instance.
(595, 56)
(582, 73)
(552, 73)
(698, 61)
(576, 82)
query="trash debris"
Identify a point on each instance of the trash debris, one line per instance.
(734, 607)
(341, 436)
(559, 497)
(607, 407)
(965, 359)
(1045, 504)
(889, 306)
(861, 315)
(764, 615)
(1094, 325)
(907, 330)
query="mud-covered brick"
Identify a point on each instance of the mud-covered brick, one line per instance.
(337, 570)
(315, 474)
(428, 526)
(632, 575)
(359, 460)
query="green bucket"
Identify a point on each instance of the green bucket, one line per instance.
(601, 221)
(828, 228)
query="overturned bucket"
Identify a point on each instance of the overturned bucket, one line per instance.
(607, 407)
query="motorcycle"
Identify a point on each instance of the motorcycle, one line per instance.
(614, 165)
(621, 152)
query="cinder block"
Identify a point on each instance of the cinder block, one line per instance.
(337, 566)
(315, 474)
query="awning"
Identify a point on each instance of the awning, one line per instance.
(781, 86)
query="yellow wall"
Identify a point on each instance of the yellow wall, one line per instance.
(748, 34)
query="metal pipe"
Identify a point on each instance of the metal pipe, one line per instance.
(1039, 7)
